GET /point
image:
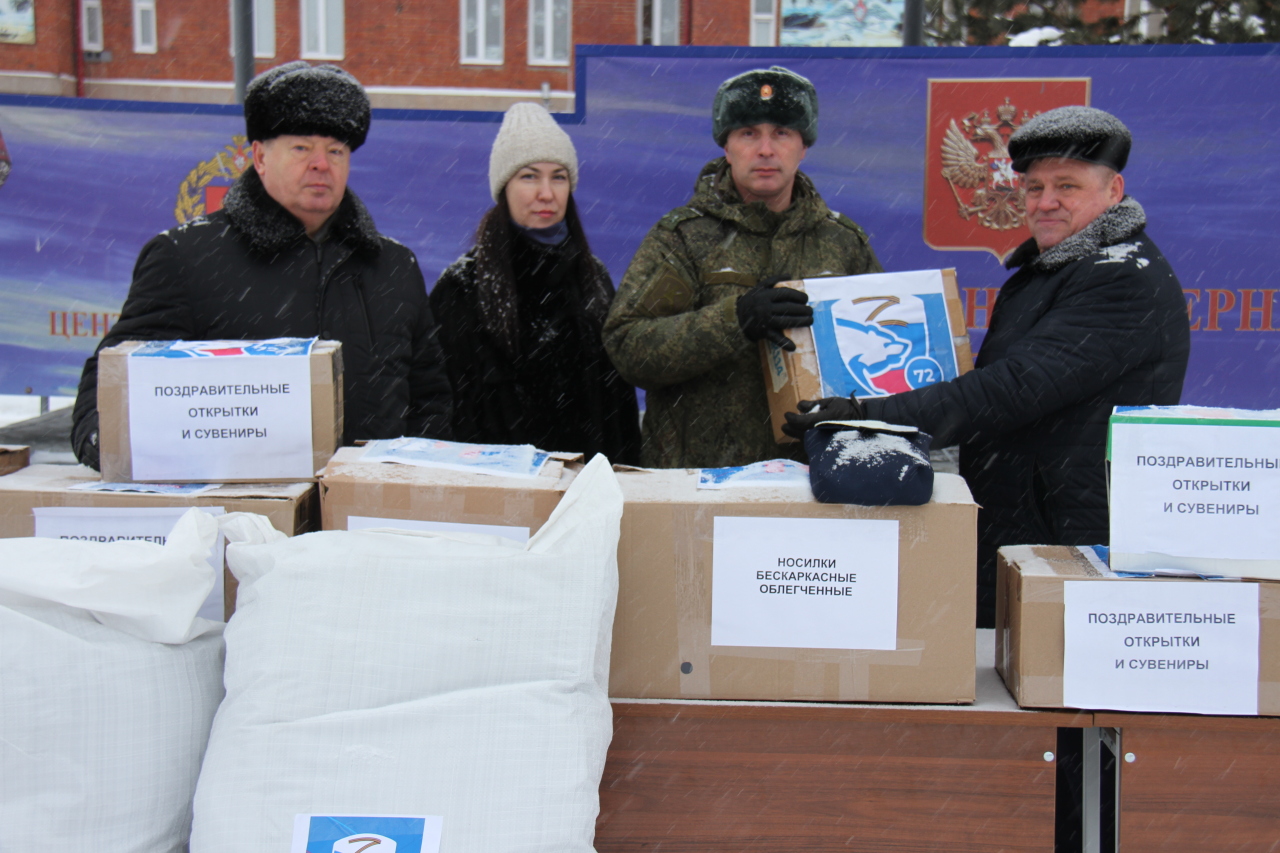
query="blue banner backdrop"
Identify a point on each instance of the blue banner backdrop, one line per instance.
(92, 181)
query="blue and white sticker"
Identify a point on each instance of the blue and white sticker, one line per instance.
(224, 349)
(771, 472)
(366, 834)
(881, 334)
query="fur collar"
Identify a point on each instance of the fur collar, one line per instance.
(1116, 224)
(270, 228)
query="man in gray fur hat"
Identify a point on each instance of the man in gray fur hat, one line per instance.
(1093, 318)
(699, 293)
(294, 253)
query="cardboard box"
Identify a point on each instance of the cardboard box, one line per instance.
(662, 633)
(1030, 638)
(794, 376)
(291, 507)
(1195, 488)
(116, 451)
(13, 457)
(378, 491)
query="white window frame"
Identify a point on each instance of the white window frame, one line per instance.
(144, 26)
(758, 18)
(542, 54)
(655, 21)
(331, 46)
(264, 28)
(91, 10)
(482, 33)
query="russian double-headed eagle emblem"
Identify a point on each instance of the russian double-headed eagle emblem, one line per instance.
(996, 199)
(202, 190)
(972, 197)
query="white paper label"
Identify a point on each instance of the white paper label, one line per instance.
(109, 524)
(805, 583)
(366, 834)
(1195, 491)
(213, 419)
(1163, 646)
(364, 522)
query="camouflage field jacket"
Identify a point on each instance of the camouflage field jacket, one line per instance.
(673, 328)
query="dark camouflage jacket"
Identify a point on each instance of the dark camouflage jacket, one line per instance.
(673, 328)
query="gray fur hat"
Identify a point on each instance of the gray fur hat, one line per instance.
(1076, 133)
(529, 135)
(302, 99)
(774, 95)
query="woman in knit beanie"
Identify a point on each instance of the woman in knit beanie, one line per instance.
(521, 313)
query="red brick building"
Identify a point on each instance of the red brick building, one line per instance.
(468, 54)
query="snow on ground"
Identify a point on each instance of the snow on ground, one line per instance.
(21, 407)
(1035, 37)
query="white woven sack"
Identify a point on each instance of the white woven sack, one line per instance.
(400, 673)
(108, 686)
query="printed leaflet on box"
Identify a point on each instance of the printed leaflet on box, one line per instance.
(893, 336)
(1202, 490)
(807, 583)
(221, 410)
(1188, 647)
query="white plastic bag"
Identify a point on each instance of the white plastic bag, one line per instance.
(108, 685)
(402, 673)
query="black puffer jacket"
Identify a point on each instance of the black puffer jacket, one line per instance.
(561, 392)
(249, 271)
(1095, 322)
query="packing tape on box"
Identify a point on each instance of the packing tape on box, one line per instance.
(693, 602)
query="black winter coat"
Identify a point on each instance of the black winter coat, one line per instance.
(561, 392)
(1095, 322)
(249, 271)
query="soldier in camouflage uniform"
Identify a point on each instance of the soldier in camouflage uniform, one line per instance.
(699, 293)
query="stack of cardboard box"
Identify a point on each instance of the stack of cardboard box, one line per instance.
(1182, 612)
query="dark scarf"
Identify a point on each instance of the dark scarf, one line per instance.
(496, 279)
(1119, 222)
(270, 229)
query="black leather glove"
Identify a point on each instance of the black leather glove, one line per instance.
(765, 310)
(817, 411)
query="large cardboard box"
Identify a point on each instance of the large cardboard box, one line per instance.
(794, 376)
(662, 636)
(356, 494)
(1030, 636)
(114, 438)
(291, 507)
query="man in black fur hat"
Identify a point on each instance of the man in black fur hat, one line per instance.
(699, 293)
(294, 253)
(1093, 318)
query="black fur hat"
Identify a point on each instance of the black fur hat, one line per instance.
(773, 95)
(1077, 133)
(302, 99)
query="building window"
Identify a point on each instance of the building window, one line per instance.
(144, 26)
(264, 28)
(91, 26)
(482, 32)
(764, 19)
(322, 29)
(659, 21)
(549, 32)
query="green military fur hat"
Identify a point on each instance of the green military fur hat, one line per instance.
(773, 95)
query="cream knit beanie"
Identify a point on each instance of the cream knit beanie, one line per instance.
(529, 135)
